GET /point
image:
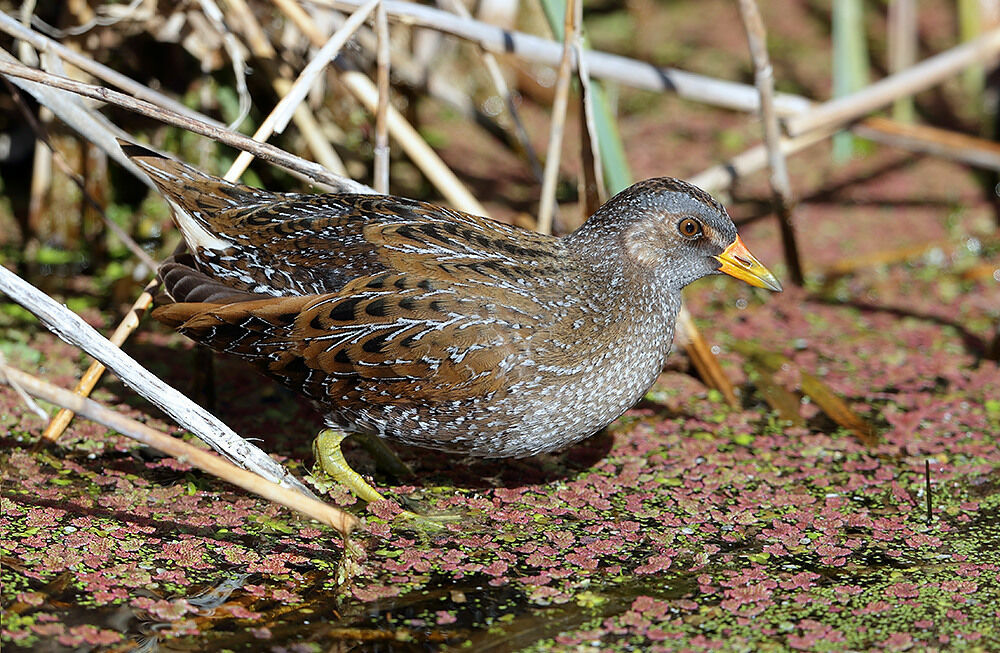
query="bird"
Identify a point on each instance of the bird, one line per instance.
(427, 326)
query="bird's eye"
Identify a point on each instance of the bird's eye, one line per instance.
(689, 228)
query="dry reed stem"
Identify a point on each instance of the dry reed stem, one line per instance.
(594, 191)
(277, 120)
(232, 47)
(927, 73)
(362, 88)
(303, 117)
(254, 34)
(637, 74)
(781, 186)
(41, 180)
(89, 380)
(381, 150)
(705, 362)
(311, 130)
(901, 41)
(316, 173)
(210, 463)
(72, 329)
(436, 170)
(550, 178)
(943, 143)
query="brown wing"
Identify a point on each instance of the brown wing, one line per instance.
(255, 241)
(392, 338)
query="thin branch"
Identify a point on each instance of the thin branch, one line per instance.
(203, 460)
(70, 328)
(780, 184)
(637, 74)
(362, 88)
(89, 380)
(278, 119)
(381, 172)
(943, 143)
(595, 193)
(547, 203)
(235, 52)
(262, 151)
(927, 73)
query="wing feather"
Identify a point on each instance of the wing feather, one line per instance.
(390, 338)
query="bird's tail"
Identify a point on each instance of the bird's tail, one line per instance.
(201, 203)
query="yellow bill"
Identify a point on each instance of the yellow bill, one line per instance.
(737, 261)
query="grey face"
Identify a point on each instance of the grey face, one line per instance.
(677, 231)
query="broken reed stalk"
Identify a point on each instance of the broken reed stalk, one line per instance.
(89, 380)
(316, 173)
(594, 191)
(704, 361)
(421, 154)
(381, 150)
(927, 489)
(279, 117)
(927, 73)
(550, 177)
(631, 72)
(203, 460)
(72, 329)
(780, 184)
(943, 143)
(25, 396)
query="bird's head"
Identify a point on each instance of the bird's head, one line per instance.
(679, 233)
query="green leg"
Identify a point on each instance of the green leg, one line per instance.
(385, 458)
(331, 459)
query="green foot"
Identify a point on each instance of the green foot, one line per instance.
(331, 460)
